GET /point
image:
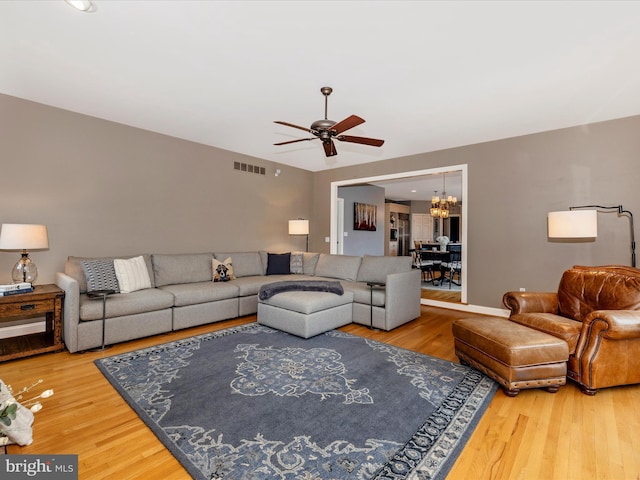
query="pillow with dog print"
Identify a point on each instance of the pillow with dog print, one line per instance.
(222, 271)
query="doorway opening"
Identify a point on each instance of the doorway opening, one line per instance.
(457, 227)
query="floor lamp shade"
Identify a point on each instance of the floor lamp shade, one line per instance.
(299, 227)
(23, 237)
(572, 224)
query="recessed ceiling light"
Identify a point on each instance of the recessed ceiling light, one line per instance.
(413, 191)
(82, 5)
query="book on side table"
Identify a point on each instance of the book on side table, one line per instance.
(15, 288)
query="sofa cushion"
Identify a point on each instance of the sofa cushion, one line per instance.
(264, 259)
(278, 264)
(251, 285)
(309, 262)
(245, 264)
(583, 290)
(100, 275)
(73, 268)
(362, 293)
(118, 305)
(201, 292)
(556, 325)
(132, 274)
(222, 271)
(344, 267)
(375, 269)
(179, 268)
(308, 302)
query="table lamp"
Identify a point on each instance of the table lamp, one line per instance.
(25, 237)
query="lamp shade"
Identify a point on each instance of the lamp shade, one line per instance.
(19, 236)
(572, 224)
(299, 227)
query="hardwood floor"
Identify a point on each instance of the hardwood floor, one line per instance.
(441, 295)
(536, 435)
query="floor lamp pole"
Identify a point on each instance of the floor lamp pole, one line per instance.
(621, 211)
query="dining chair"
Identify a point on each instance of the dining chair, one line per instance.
(430, 262)
(452, 268)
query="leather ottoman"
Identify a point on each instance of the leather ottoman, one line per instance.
(515, 356)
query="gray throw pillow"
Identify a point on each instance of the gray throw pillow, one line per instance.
(296, 266)
(101, 275)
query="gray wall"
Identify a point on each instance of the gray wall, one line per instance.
(107, 189)
(359, 242)
(513, 183)
(104, 188)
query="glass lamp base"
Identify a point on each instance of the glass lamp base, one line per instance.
(24, 270)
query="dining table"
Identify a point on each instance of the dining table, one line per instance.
(440, 261)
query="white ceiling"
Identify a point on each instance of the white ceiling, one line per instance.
(422, 187)
(424, 75)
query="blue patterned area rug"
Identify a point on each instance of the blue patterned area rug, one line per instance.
(251, 402)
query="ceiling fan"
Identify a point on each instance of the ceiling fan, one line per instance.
(328, 130)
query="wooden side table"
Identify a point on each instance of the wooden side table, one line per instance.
(44, 300)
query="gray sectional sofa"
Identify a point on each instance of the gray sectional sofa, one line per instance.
(182, 293)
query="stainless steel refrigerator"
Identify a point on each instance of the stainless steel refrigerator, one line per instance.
(404, 234)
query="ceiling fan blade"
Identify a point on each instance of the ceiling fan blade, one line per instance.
(294, 141)
(329, 148)
(374, 142)
(346, 124)
(294, 126)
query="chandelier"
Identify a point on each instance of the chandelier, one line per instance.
(440, 206)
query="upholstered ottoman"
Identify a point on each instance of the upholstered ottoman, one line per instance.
(515, 356)
(306, 314)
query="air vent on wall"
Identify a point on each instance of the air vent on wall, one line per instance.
(245, 167)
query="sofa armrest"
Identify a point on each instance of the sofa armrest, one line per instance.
(531, 302)
(606, 350)
(402, 298)
(617, 324)
(71, 310)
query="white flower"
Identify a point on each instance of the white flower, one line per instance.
(46, 393)
(36, 407)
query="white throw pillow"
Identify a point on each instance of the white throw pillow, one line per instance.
(132, 274)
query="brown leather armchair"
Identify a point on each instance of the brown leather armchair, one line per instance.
(597, 312)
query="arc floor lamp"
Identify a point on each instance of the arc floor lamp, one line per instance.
(580, 223)
(300, 227)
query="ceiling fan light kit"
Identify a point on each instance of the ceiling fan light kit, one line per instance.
(328, 130)
(82, 5)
